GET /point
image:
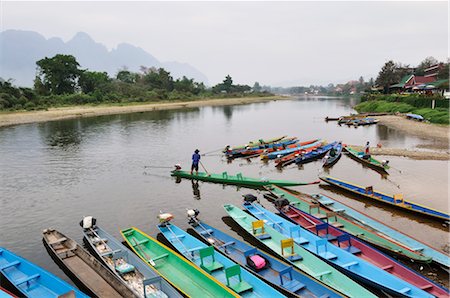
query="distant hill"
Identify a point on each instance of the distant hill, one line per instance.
(19, 51)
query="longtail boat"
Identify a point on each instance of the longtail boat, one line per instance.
(256, 150)
(288, 159)
(182, 274)
(314, 154)
(307, 204)
(83, 268)
(31, 280)
(237, 179)
(383, 229)
(129, 268)
(370, 161)
(345, 260)
(296, 255)
(333, 155)
(393, 200)
(4, 293)
(254, 143)
(360, 249)
(217, 265)
(279, 153)
(287, 278)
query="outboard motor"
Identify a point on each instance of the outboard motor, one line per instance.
(177, 167)
(192, 216)
(249, 198)
(281, 202)
(88, 222)
(164, 218)
(384, 162)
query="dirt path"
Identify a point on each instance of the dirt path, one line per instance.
(52, 114)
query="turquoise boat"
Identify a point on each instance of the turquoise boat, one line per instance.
(273, 155)
(217, 265)
(393, 200)
(348, 262)
(287, 278)
(31, 280)
(286, 248)
(382, 229)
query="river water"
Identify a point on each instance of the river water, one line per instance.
(115, 168)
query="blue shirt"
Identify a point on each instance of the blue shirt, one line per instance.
(195, 158)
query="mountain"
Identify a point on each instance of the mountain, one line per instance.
(19, 51)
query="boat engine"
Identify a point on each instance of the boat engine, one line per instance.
(164, 218)
(88, 222)
(384, 162)
(192, 216)
(177, 167)
(249, 198)
(281, 202)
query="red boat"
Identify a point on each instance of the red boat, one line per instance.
(331, 231)
(288, 159)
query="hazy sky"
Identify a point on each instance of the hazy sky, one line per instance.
(287, 43)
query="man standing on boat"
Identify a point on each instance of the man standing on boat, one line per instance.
(195, 161)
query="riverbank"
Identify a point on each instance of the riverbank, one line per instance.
(436, 132)
(414, 154)
(53, 114)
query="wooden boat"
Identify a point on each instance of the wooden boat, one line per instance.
(296, 255)
(370, 162)
(383, 230)
(309, 205)
(290, 158)
(217, 265)
(314, 154)
(291, 280)
(393, 200)
(83, 267)
(237, 179)
(360, 249)
(331, 118)
(331, 160)
(348, 262)
(186, 277)
(256, 151)
(30, 280)
(4, 293)
(129, 268)
(279, 153)
(254, 143)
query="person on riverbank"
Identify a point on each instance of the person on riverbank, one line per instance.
(367, 150)
(195, 161)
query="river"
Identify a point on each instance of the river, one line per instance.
(116, 169)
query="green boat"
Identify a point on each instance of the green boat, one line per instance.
(187, 278)
(237, 179)
(257, 143)
(296, 255)
(307, 204)
(370, 162)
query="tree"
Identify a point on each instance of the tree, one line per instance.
(58, 75)
(387, 76)
(427, 62)
(227, 83)
(127, 76)
(158, 79)
(91, 81)
(256, 87)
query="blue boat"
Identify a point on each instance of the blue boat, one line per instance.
(217, 265)
(348, 262)
(414, 117)
(315, 154)
(393, 200)
(277, 273)
(129, 268)
(276, 154)
(4, 293)
(246, 150)
(382, 229)
(32, 280)
(333, 155)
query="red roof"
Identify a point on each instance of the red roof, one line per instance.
(419, 80)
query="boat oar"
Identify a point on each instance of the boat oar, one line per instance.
(158, 167)
(204, 168)
(148, 259)
(212, 151)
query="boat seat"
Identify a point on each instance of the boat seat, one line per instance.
(426, 287)
(177, 237)
(350, 248)
(289, 244)
(57, 241)
(339, 210)
(327, 235)
(350, 264)
(337, 224)
(111, 252)
(259, 231)
(297, 238)
(160, 257)
(319, 215)
(206, 232)
(324, 253)
(387, 267)
(258, 213)
(320, 274)
(138, 242)
(212, 265)
(9, 265)
(404, 290)
(194, 249)
(225, 245)
(101, 240)
(26, 279)
(291, 285)
(417, 248)
(326, 203)
(241, 286)
(241, 217)
(294, 215)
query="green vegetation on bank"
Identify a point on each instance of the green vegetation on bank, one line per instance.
(415, 103)
(61, 82)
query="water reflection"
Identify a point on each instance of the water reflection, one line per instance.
(196, 189)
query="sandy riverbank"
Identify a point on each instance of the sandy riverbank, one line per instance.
(415, 154)
(52, 114)
(436, 132)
